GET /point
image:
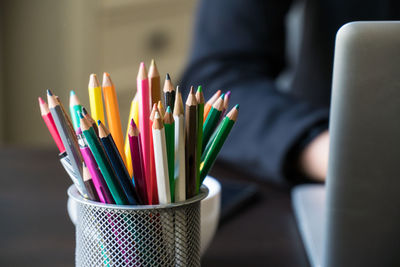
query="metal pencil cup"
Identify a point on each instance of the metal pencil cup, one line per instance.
(158, 235)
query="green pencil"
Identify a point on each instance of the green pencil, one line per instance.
(212, 120)
(74, 107)
(169, 125)
(103, 162)
(209, 159)
(200, 114)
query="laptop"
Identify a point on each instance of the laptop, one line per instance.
(355, 219)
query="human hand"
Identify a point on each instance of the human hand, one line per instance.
(314, 158)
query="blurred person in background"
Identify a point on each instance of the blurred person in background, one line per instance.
(276, 57)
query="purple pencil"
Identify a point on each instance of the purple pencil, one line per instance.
(99, 184)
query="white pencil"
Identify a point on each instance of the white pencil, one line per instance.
(160, 158)
(180, 187)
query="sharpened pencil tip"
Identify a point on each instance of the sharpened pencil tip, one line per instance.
(80, 114)
(84, 111)
(41, 101)
(199, 88)
(167, 77)
(222, 96)
(228, 93)
(237, 106)
(72, 93)
(49, 92)
(168, 109)
(98, 122)
(191, 89)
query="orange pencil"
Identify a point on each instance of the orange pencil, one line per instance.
(210, 102)
(112, 111)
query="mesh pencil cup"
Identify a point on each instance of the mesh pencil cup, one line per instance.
(157, 235)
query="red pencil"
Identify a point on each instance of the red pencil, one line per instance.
(48, 119)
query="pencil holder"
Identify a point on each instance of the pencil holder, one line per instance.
(157, 235)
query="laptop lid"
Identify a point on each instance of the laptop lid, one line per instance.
(363, 182)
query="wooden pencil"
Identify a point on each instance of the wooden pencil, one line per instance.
(223, 132)
(200, 112)
(95, 98)
(90, 120)
(161, 109)
(51, 126)
(154, 83)
(87, 179)
(67, 138)
(212, 120)
(74, 107)
(67, 119)
(169, 125)
(169, 92)
(191, 143)
(137, 163)
(103, 162)
(127, 149)
(160, 155)
(99, 183)
(112, 111)
(152, 180)
(144, 114)
(209, 103)
(180, 181)
(117, 163)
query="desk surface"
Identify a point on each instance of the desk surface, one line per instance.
(35, 228)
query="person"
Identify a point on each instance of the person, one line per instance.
(279, 70)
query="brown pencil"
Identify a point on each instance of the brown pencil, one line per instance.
(191, 143)
(154, 83)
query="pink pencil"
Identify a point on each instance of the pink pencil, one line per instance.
(144, 115)
(98, 181)
(137, 162)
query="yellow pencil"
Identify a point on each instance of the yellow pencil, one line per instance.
(96, 99)
(133, 114)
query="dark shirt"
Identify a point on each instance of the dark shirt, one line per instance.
(241, 45)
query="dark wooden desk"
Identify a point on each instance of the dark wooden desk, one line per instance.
(35, 229)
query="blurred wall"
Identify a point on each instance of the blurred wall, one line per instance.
(57, 44)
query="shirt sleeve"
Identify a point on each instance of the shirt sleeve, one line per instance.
(239, 46)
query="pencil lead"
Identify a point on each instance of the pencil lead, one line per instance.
(228, 93)
(191, 89)
(49, 92)
(177, 89)
(72, 93)
(222, 96)
(84, 111)
(167, 77)
(98, 122)
(80, 114)
(237, 106)
(199, 88)
(152, 62)
(168, 109)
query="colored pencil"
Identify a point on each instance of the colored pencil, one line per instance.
(74, 107)
(49, 121)
(67, 120)
(180, 181)
(89, 118)
(152, 180)
(112, 111)
(99, 183)
(200, 112)
(169, 92)
(226, 126)
(144, 114)
(169, 125)
(154, 83)
(210, 102)
(67, 138)
(191, 143)
(95, 98)
(127, 149)
(226, 104)
(117, 163)
(87, 179)
(137, 163)
(160, 154)
(103, 162)
(161, 109)
(212, 120)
